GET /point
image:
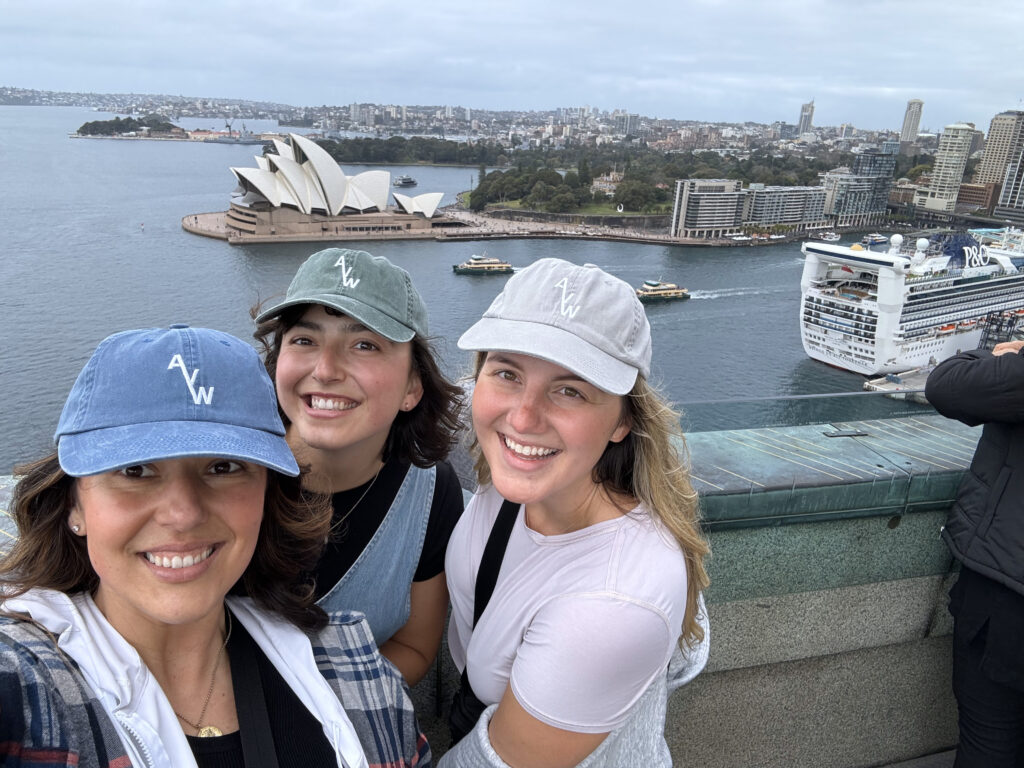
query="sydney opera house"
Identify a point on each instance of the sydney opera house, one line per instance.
(300, 192)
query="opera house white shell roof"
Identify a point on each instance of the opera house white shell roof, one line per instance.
(304, 176)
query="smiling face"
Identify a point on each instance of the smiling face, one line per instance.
(169, 539)
(341, 385)
(542, 429)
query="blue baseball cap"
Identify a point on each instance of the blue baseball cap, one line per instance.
(170, 393)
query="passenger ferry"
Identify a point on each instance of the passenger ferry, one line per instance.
(875, 312)
(653, 291)
(482, 265)
(874, 239)
(404, 181)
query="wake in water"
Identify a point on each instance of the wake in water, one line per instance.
(727, 293)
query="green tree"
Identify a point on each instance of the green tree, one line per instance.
(634, 195)
(914, 173)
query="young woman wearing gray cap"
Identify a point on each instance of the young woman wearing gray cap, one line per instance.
(575, 573)
(154, 606)
(368, 410)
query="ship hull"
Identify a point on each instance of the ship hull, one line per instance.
(875, 312)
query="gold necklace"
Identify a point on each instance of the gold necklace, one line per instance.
(341, 520)
(205, 731)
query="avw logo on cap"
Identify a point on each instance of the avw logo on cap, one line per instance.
(567, 309)
(201, 396)
(346, 272)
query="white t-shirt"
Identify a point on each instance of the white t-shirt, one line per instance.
(580, 624)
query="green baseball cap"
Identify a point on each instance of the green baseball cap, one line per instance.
(368, 288)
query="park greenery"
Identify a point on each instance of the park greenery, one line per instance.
(123, 125)
(559, 180)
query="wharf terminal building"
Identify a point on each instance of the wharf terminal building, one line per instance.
(300, 191)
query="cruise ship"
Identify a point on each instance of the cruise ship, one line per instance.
(887, 311)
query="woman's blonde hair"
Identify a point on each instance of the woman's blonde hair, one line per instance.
(651, 464)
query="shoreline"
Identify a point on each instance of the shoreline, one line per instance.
(475, 227)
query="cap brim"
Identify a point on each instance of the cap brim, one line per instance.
(372, 318)
(554, 345)
(104, 450)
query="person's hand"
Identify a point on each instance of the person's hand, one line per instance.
(1008, 347)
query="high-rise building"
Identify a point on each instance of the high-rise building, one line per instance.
(911, 120)
(1004, 142)
(951, 159)
(858, 196)
(1011, 199)
(806, 116)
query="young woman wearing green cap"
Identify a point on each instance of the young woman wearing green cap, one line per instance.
(368, 410)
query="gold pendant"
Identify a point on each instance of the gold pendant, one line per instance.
(209, 730)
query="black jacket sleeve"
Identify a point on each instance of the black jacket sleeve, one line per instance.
(976, 387)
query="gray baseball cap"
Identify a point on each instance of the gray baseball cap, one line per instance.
(580, 318)
(368, 288)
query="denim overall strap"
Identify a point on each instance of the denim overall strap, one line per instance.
(380, 580)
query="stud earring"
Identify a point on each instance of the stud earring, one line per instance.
(76, 528)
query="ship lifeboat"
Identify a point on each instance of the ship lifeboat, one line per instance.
(967, 325)
(946, 329)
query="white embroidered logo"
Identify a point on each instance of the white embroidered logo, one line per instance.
(346, 271)
(201, 396)
(567, 309)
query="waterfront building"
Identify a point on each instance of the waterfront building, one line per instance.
(797, 207)
(806, 117)
(1011, 199)
(911, 121)
(1004, 142)
(848, 198)
(858, 196)
(716, 208)
(708, 208)
(947, 175)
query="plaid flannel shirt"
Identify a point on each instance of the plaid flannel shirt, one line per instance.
(51, 718)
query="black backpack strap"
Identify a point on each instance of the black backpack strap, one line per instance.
(251, 704)
(466, 707)
(494, 553)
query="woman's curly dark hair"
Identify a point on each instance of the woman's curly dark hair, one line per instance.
(423, 436)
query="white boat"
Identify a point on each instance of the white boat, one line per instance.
(875, 312)
(830, 237)
(874, 239)
(655, 290)
(482, 264)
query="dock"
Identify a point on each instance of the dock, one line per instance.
(908, 385)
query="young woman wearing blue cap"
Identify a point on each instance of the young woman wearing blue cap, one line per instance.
(576, 571)
(154, 605)
(369, 412)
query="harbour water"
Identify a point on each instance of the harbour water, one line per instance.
(92, 244)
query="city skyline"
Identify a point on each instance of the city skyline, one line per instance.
(712, 61)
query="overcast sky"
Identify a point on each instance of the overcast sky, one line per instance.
(716, 60)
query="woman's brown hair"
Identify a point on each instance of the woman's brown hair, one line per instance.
(423, 436)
